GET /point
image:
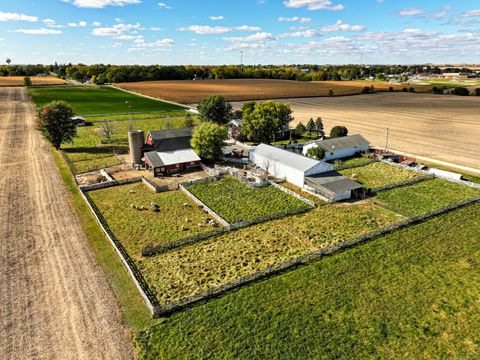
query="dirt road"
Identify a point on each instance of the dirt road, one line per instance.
(55, 302)
(439, 127)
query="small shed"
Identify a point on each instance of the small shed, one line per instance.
(79, 120)
(342, 147)
(333, 186)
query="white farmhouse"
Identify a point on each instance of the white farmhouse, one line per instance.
(341, 147)
(316, 176)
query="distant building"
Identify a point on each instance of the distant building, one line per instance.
(78, 120)
(304, 172)
(169, 151)
(342, 147)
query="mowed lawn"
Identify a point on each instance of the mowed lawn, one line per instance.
(92, 151)
(426, 196)
(413, 294)
(179, 216)
(192, 269)
(379, 174)
(235, 201)
(89, 100)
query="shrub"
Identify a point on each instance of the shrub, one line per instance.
(316, 153)
(338, 131)
(461, 91)
(405, 89)
(27, 81)
(411, 89)
(366, 90)
(477, 92)
(390, 89)
(437, 91)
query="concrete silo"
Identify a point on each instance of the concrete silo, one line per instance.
(136, 140)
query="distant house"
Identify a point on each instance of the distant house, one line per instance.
(234, 128)
(304, 172)
(79, 120)
(341, 147)
(169, 151)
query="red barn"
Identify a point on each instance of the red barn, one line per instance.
(171, 151)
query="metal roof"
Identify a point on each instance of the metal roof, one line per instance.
(178, 157)
(173, 139)
(334, 182)
(287, 158)
(154, 159)
(345, 142)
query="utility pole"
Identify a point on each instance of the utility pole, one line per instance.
(386, 140)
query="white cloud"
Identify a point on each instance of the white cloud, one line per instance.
(97, 23)
(155, 28)
(295, 19)
(216, 18)
(79, 24)
(141, 44)
(247, 28)
(314, 4)
(164, 6)
(471, 13)
(410, 12)
(6, 16)
(51, 23)
(99, 4)
(260, 36)
(42, 31)
(341, 26)
(115, 30)
(207, 30)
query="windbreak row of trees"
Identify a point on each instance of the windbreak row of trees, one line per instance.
(101, 73)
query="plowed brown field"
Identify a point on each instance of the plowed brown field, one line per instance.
(55, 302)
(190, 92)
(36, 80)
(439, 127)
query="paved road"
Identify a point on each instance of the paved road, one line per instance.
(55, 302)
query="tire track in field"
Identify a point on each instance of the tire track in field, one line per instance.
(55, 302)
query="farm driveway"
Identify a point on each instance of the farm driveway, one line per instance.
(55, 302)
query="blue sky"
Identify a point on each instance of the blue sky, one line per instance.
(217, 31)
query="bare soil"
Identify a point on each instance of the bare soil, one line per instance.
(55, 302)
(191, 92)
(439, 127)
(36, 80)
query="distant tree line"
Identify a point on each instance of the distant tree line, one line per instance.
(101, 73)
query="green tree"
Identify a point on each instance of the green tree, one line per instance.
(265, 120)
(331, 93)
(477, 92)
(107, 130)
(338, 131)
(438, 91)
(27, 81)
(310, 126)
(189, 120)
(54, 122)
(299, 130)
(207, 140)
(215, 109)
(316, 153)
(461, 91)
(319, 127)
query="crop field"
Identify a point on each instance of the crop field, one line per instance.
(89, 100)
(192, 269)
(189, 92)
(235, 201)
(379, 174)
(36, 80)
(425, 196)
(92, 151)
(422, 124)
(412, 294)
(178, 217)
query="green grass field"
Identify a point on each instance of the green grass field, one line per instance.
(192, 269)
(425, 196)
(413, 294)
(137, 229)
(376, 175)
(355, 161)
(235, 201)
(92, 151)
(88, 100)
